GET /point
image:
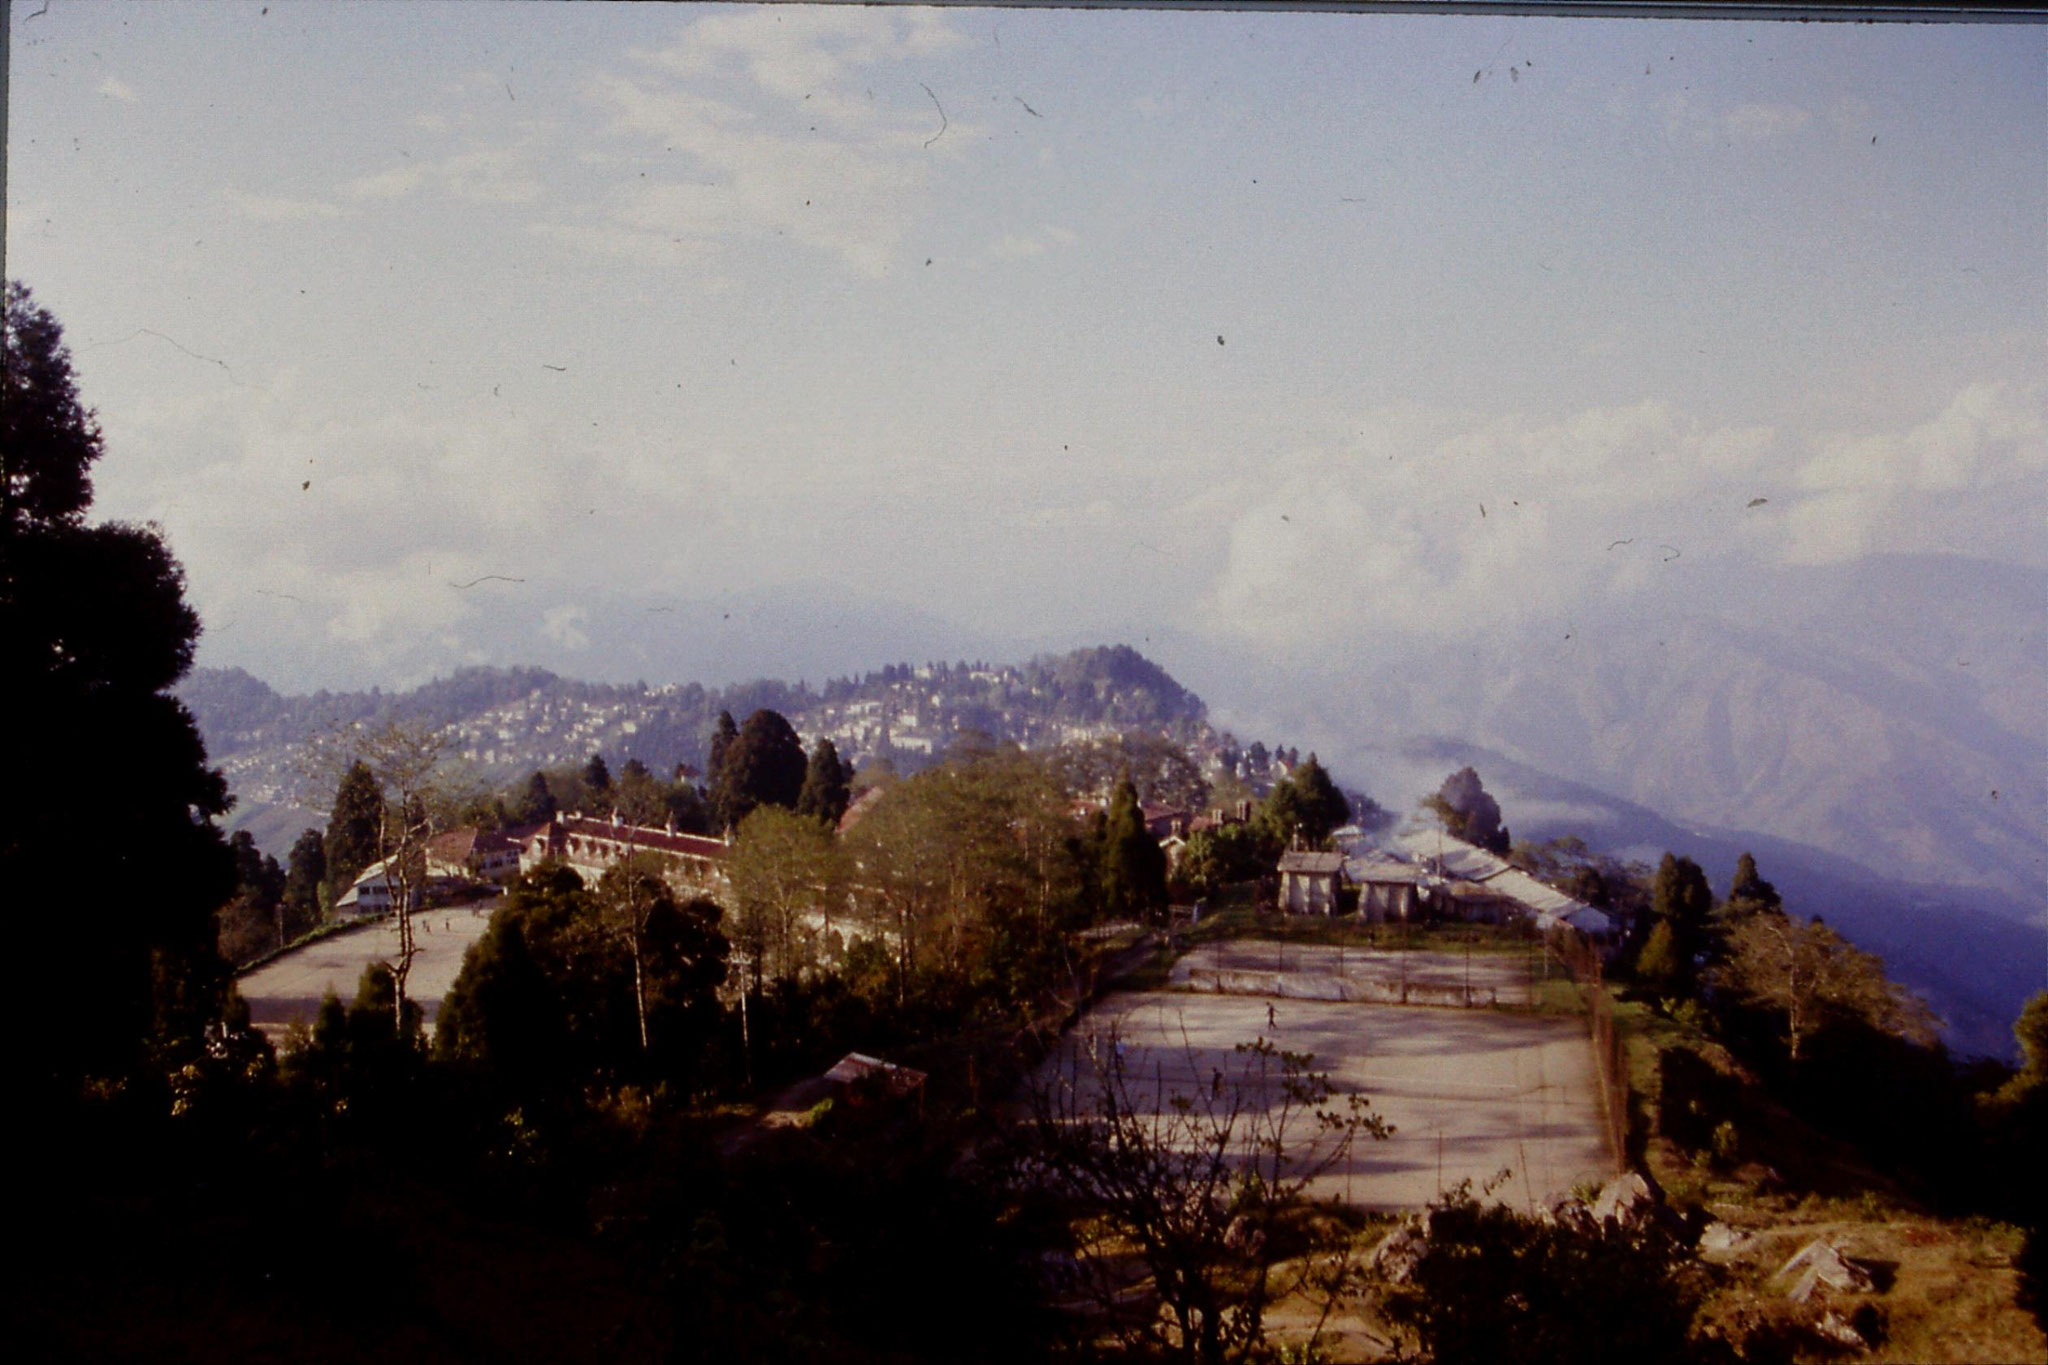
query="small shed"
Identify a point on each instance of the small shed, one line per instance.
(1471, 903)
(1388, 891)
(858, 1077)
(1309, 882)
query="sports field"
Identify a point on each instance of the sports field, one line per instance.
(1472, 1093)
(291, 987)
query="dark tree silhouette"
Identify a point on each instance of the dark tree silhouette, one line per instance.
(828, 784)
(763, 766)
(1133, 864)
(1468, 812)
(94, 631)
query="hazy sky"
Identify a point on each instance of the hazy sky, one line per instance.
(1060, 326)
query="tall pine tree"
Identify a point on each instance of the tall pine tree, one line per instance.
(1133, 869)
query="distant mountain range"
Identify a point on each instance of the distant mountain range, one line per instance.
(504, 722)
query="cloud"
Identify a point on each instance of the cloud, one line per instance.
(1751, 124)
(481, 173)
(1763, 122)
(1013, 246)
(1434, 522)
(115, 88)
(783, 123)
(1970, 475)
(564, 626)
(392, 184)
(1386, 534)
(266, 208)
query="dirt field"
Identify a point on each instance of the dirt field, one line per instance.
(1306, 971)
(1471, 1092)
(291, 987)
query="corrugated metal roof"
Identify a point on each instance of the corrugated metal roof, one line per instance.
(1384, 871)
(1313, 864)
(1459, 859)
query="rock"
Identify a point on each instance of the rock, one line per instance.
(1823, 1264)
(1399, 1252)
(1719, 1237)
(1626, 1201)
(1835, 1328)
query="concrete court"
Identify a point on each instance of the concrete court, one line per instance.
(1314, 971)
(291, 987)
(1470, 1092)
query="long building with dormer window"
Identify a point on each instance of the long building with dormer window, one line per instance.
(589, 845)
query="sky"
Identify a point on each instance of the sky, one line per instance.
(504, 333)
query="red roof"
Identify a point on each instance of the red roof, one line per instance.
(639, 836)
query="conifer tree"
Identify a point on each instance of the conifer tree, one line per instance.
(827, 784)
(352, 828)
(1683, 903)
(722, 736)
(762, 766)
(305, 873)
(536, 803)
(1133, 864)
(1748, 892)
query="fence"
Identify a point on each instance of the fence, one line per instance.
(1322, 986)
(1582, 960)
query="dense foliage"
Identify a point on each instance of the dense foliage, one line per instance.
(94, 632)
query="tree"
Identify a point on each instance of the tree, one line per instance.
(763, 766)
(1748, 892)
(94, 631)
(1468, 812)
(352, 826)
(1659, 965)
(536, 804)
(1811, 975)
(972, 867)
(1682, 902)
(1307, 804)
(573, 1002)
(1200, 1186)
(250, 923)
(722, 736)
(1133, 865)
(782, 866)
(1493, 1285)
(630, 897)
(503, 1018)
(639, 796)
(305, 874)
(597, 778)
(828, 784)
